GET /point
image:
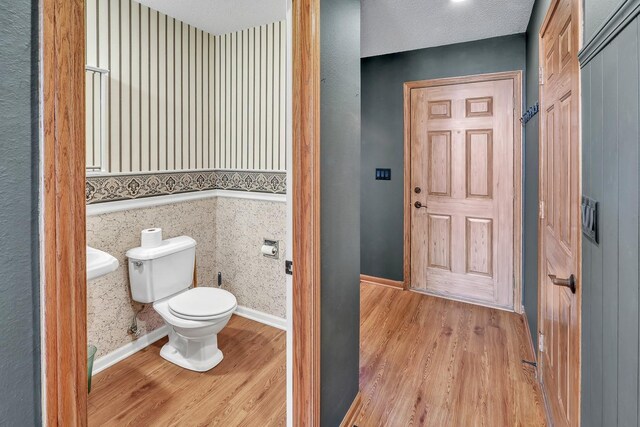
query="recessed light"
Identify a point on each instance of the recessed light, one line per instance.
(457, 1)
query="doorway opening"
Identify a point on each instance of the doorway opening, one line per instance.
(64, 210)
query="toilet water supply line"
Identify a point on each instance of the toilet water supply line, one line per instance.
(133, 329)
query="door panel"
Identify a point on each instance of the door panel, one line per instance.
(439, 164)
(480, 246)
(559, 237)
(479, 163)
(462, 172)
(440, 241)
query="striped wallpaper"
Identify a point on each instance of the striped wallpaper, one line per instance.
(179, 98)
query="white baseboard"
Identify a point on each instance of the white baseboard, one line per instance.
(133, 347)
(259, 316)
(127, 350)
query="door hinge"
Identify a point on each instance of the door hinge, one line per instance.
(541, 210)
(541, 342)
(540, 75)
(288, 267)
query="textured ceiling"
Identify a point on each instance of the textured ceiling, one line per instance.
(221, 16)
(398, 25)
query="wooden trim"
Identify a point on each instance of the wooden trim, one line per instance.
(351, 415)
(448, 81)
(306, 212)
(379, 281)
(516, 76)
(407, 187)
(65, 335)
(518, 228)
(64, 207)
(541, 171)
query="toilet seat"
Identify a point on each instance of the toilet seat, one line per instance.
(202, 304)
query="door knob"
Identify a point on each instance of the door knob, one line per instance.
(567, 283)
(419, 205)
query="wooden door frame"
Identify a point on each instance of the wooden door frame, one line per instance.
(306, 212)
(64, 205)
(516, 76)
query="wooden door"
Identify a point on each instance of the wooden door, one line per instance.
(559, 260)
(462, 191)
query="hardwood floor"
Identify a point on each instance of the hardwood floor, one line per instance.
(248, 388)
(434, 362)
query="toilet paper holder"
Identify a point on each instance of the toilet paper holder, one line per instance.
(271, 248)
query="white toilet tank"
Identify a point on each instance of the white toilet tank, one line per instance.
(161, 271)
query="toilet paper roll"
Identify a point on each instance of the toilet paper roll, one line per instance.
(268, 250)
(151, 237)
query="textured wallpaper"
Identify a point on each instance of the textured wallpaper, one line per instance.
(228, 233)
(241, 227)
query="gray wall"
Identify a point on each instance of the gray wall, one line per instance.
(531, 167)
(19, 283)
(340, 215)
(382, 133)
(595, 14)
(610, 273)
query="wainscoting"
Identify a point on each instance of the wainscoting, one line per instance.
(228, 232)
(610, 267)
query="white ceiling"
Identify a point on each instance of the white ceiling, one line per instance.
(398, 25)
(221, 16)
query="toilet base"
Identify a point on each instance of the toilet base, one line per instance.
(198, 355)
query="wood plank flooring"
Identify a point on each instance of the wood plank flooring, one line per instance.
(248, 388)
(433, 362)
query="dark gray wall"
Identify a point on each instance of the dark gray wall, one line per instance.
(595, 14)
(340, 215)
(382, 133)
(19, 281)
(530, 240)
(610, 273)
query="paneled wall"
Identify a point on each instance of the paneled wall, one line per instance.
(610, 272)
(179, 98)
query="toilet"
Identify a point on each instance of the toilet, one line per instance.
(163, 275)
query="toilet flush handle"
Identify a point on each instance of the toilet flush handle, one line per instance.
(137, 263)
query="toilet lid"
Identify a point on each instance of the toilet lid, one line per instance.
(202, 302)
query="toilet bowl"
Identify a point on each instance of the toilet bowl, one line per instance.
(195, 317)
(163, 275)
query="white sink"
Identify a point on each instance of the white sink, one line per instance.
(99, 263)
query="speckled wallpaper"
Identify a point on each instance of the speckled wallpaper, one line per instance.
(228, 232)
(257, 282)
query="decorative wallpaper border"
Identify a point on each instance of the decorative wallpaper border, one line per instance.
(110, 188)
